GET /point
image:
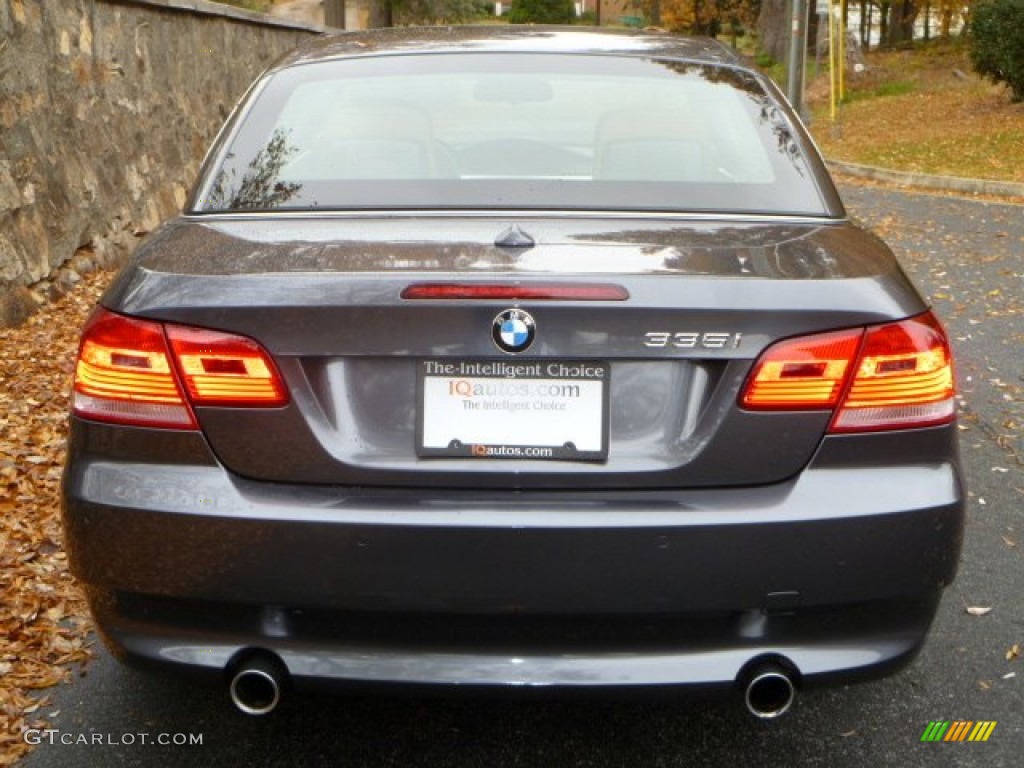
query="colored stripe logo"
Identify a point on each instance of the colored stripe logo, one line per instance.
(958, 730)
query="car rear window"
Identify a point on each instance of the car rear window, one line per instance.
(512, 131)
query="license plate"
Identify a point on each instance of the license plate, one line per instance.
(497, 409)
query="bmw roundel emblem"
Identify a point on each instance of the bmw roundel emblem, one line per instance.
(513, 330)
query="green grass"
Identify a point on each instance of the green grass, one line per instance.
(889, 88)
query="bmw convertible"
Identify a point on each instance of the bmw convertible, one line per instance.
(514, 358)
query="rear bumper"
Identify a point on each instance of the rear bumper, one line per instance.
(838, 570)
(840, 645)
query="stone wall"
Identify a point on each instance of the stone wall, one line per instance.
(106, 110)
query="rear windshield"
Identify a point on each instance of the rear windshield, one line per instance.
(512, 131)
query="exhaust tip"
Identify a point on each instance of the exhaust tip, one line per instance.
(769, 692)
(255, 686)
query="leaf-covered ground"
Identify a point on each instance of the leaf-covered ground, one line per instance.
(923, 111)
(43, 619)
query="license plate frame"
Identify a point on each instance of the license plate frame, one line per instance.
(550, 410)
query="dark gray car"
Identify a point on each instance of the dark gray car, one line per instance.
(519, 357)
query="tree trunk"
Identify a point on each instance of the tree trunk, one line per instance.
(902, 14)
(334, 13)
(946, 22)
(655, 13)
(773, 28)
(865, 25)
(911, 10)
(811, 24)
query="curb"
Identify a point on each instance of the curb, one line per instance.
(929, 181)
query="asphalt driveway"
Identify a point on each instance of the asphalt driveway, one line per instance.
(969, 257)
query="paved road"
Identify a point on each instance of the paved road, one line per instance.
(969, 257)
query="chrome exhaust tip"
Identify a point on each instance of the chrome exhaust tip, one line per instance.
(255, 685)
(769, 691)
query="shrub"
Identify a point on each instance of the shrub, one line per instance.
(764, 60)
(997, 43)
(427, 12)
(542, 12)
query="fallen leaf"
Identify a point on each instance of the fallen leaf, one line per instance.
(1013, 653)
(43, 617)
(979, 610)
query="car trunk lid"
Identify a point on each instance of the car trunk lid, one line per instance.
(695, 301)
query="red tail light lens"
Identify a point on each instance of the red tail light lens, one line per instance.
(124, 374)
(130, 371)
(904, 379)
(802, 374)
(225, 370)
(894, 376)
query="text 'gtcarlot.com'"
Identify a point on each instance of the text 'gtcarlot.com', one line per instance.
(53, 736)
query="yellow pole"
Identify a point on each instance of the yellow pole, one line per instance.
(842, 49)
(831, 62)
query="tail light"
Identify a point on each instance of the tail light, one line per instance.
(128, 373)
(904, 378)
(893, 376)
(803, 374)
(124, 374)
(222, 369)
